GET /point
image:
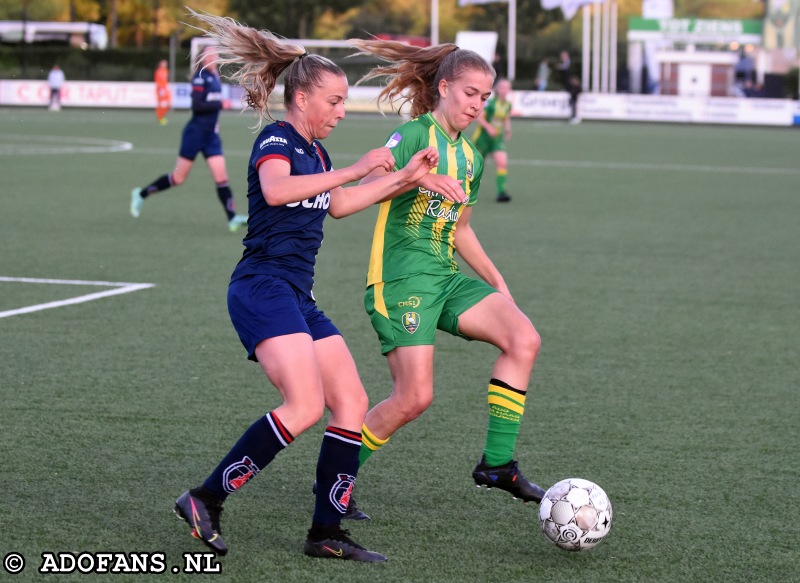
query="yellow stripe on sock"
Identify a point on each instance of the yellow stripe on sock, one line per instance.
(520, 402)
(503, 402)
(370, 440)
(510, 395)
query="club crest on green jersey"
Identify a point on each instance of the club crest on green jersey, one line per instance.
(411, 322)
(470, 169)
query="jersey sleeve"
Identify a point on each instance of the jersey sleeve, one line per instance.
(271, 145)
(205, 96)
(477, 175)
(405, 141)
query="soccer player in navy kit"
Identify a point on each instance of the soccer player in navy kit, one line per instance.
(201, 134)
(292, 187)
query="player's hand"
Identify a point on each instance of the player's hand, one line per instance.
(420, 164)
(508, 134)
(503, 289)
(226, 104)
(377, 158)
(449, 188)
(491, 131)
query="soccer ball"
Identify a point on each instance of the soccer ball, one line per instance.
(575, 514)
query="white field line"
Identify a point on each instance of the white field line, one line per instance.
(10, 145)
(118, 288)
(636, 166)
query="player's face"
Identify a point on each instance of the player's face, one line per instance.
(325, 105)
(461, 100)
(502, 89)
(210, 60)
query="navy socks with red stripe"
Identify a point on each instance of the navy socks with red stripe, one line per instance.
(336, 475)
(225, 197)
(161, 183)
(256, 448)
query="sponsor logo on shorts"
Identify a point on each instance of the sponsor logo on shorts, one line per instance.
(341, 491)
(411, 322)
(394, 139)
(273, 140)
(237, 474)
(411, 302)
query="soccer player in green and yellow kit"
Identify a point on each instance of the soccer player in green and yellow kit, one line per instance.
(494, 129)
(414, 283)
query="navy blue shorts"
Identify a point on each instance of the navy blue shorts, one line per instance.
(198, 139)
(264, 306)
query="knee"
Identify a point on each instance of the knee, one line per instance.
(354, 404)
(526, 343)
(412, 406)
(308, 413)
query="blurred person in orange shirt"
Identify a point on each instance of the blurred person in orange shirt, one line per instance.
(163, 96)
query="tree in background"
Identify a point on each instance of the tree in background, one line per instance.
(289, 18)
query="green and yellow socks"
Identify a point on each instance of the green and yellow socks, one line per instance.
(502, 178)
(506, 406)
(369, 444)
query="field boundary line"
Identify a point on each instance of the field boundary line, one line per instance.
(635, 166)
(119, 287)
(47, 144)
(656, 166)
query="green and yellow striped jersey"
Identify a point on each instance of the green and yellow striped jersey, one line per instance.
(497, 112)
(415, 231)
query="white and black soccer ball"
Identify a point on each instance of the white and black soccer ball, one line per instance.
(575, 514)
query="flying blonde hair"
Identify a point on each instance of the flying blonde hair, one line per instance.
(414, 73)
(260, 57)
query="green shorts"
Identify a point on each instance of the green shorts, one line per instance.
(486, 144)
(407, 312)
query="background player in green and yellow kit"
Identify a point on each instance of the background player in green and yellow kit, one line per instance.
(494, 128)
(414, 283)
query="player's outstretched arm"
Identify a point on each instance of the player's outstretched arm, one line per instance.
(346, 201)
(279, 187)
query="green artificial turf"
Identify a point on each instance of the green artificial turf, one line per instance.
(660, 264)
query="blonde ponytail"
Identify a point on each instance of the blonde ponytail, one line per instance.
(261, 58)
(414, 73)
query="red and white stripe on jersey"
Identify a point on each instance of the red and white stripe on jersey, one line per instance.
(271, 157)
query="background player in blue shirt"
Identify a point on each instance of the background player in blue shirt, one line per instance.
(292, 187)
(201, 134)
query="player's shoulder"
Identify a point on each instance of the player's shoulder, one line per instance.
(274, 138)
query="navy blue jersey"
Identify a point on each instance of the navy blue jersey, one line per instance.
(206, 98)
(284, 240)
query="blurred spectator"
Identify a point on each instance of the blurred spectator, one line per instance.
(55, 80)
(563, 69)
(745, 68)
(163, 96)
(542, 75)
(751, 89)
(574, 90)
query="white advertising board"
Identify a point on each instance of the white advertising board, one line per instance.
(664, 108)
(92, 94)
(534, 104)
